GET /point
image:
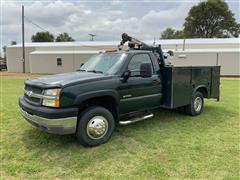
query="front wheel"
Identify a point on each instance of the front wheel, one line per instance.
(197, 104)
(95, 126)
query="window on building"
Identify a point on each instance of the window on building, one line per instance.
(59, 61)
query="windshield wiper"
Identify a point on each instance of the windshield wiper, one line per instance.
(81, 70)
(95, 71)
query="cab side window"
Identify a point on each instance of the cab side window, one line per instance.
(136, 61)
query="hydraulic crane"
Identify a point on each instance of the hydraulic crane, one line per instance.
(135, 44)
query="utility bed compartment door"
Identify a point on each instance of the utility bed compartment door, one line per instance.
(176, 87)
(182, 89)
(215, 84)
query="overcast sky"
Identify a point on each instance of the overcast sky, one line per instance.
(143, 19)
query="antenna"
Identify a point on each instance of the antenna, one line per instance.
(92, 36)
(23, 39)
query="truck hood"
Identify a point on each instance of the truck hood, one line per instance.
(60, 80)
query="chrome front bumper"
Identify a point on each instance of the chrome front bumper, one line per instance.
(56, 126)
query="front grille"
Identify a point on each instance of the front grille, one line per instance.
(33, 100)
(33, 89)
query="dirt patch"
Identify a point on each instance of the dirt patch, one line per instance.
(230, 78)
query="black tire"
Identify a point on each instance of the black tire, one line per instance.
(195, 110)
(95, 116)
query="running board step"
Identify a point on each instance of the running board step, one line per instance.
(136, 119)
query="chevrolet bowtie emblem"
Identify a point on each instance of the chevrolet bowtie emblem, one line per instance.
(29, 93)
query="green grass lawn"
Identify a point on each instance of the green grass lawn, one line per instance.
(170, 145)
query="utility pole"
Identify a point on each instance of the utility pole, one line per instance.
(154, 40)
(23, 45)
(92, 36)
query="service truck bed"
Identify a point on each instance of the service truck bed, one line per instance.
(180, 82)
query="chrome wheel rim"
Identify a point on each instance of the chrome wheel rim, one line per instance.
(198, 104)
(97, 127)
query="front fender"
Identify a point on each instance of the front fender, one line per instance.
(94, 94)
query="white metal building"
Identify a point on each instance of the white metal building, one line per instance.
(228, 59)
(57, 61)
(60, 57)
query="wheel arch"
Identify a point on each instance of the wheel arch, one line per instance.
(106, 99)
(202, 89)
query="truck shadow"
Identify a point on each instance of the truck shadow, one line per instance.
(34, 137)
(163, 119)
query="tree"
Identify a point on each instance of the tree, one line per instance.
(179, 34)
(168, 34)
(171, 33)
(13, 42)
(42, 37)
(211, 19)
(64, 37)
(4, 48)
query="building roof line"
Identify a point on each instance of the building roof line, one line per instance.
(64, 52)
(115, 43)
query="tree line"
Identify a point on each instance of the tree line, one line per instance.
(48, 37)
(43, 37)
(207, 19)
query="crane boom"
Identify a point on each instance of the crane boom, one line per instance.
(136, 44)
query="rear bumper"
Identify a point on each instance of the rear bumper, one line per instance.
(56, 121)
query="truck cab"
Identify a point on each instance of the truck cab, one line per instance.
(114, 87)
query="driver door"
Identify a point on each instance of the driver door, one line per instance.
(139, 93)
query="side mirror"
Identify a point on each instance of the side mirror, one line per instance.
(171, 53)
(146, 70)
(81, 64)
(126, 75)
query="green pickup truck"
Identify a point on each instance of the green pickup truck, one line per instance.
(115, 87)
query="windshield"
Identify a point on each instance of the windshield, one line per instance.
(107, 63)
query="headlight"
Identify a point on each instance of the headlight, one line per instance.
(51, 98)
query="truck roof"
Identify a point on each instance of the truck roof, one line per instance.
(129, 51)
(138, 51)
